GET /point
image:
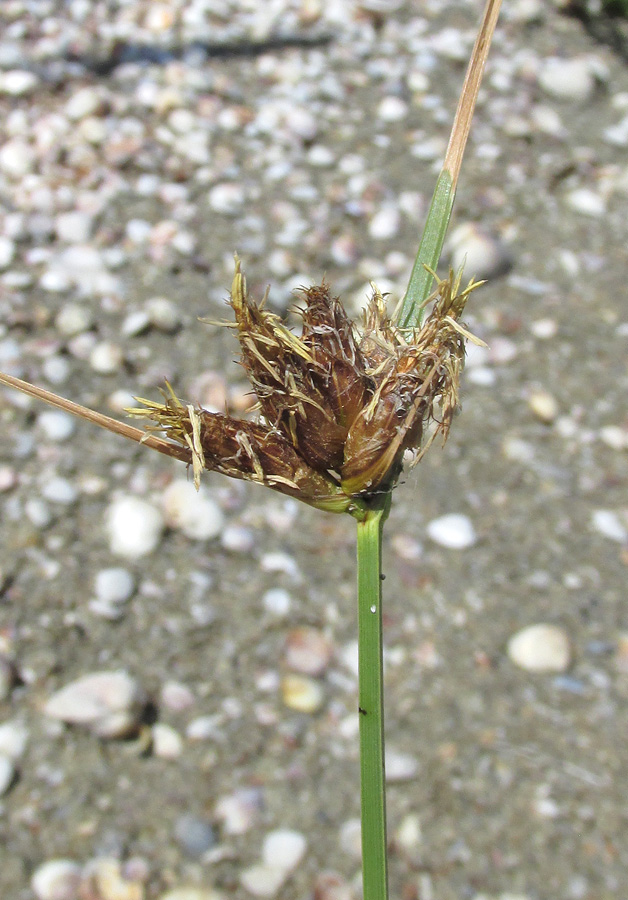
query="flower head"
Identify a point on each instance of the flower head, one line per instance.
(337, 407)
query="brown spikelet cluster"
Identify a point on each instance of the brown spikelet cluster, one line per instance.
(337, 408)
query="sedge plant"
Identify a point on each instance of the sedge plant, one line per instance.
(338, 408)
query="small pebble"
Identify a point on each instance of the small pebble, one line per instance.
(134, 527)
(280, 562)
(262, 881)
(57, 426)
(114, 585)
(7, 252)
(74, 227)
(385, 223)
(586, 202)
(301, 693)
(567, 79)
(109, 704)
(406, 547)
(351, 838)
(104, 879)
(59, 490)
(163, 314)
(106, 358)
(18, 82)
(540, 648)
(608, 523)
(392, 109)
(167, 742)
(400, 766)
(482, 254)
(277, 601)
(176, 697)
(57, 879)
(13, 739)
(191, 893)
(227, 199)
(308, 651)
(283, 849)
(85, 102)
(194, 835)
(237, 539)
(73, 319)
(239, 811)
(192, 512)
(543, 405)
(454, 530)
(7, 774)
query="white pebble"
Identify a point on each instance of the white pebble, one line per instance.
(544, 329)
(57, 879)
(135, 323)
(59, 490)
(392, 109)
(191, 893)
(308, 651)
(138, 230)
(481, 254)
(106, 358)
(192, 512)
(400, 766)
(109, 704)
(17, 158)
(540, 648)
(543, 405)
(238, 811)
(454, 530)
(284, 849)
(302, 694)
(614, 436)
(176, 696)
(7, 774)
(114, 585)
(57, 426)
(320, 156)
(7, 252)
(385, 223)
(167, 742)
(134, 527)
(262, 881)
(567, 79)
(280, 562)
(227, 199)
(85, 102)
(74, 227)
(73, 319)
(13, 739)
(238, 539)
(351, 838)
(18, 82)
(608, 523)
(277, 601)
(586, 202)
(162, 313)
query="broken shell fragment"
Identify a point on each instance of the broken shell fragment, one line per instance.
(109, 704)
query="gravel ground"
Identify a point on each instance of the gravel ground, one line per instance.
(141, 144)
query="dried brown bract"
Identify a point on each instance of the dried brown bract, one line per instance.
(337, 408)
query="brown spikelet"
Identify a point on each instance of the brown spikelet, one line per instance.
(412, 376)
(338, 410)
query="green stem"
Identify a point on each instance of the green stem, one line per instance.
(371, 704)
(420, 284)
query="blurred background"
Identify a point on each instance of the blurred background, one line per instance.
(141, 144)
